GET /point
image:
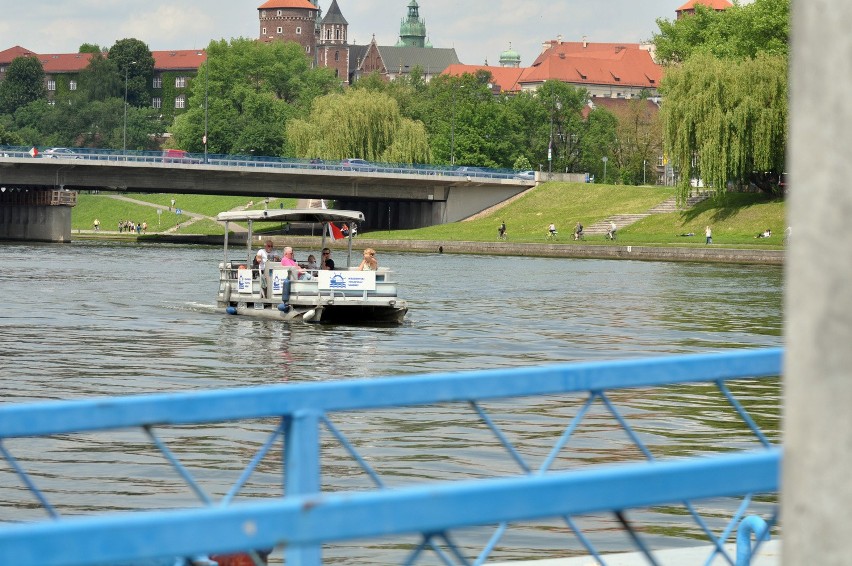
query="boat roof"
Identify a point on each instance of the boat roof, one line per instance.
(316, 215)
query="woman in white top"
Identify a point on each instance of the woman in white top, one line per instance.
(369, 263)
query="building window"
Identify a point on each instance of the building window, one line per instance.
(337, 55)
(298, 31)
(263, 13)
(72, 85)
(51, 102)
(328, 34)
(51, 85)
(157, 82)
(280, 30)
(337, 34)
(279, 13)
(180, 101)
(180, 82)
(263, 31)
(307, 48)
(157, 102)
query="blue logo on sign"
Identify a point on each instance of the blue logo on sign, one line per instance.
(337, 282)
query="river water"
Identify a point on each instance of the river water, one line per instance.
(99, 318)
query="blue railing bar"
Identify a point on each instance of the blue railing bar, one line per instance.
(454, 549)
(180, 468)
(770, 524)
(500, 436)
(249, 470)
(743, 413)
(572, 426)
(31, 486)
(258, 402)
(587, 544)
(637, 540)
(627, 428)
(719, 542)
(313, 519)
(301, 464)
(352, 452)
(492, 542)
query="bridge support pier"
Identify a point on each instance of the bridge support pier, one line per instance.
(396, 214)
(36, 216)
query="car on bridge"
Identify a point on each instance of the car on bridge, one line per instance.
(178, 156)
(60, 153)
(355, 164)
(526, 175)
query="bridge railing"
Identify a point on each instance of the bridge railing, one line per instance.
(190, 159)
(430, 512)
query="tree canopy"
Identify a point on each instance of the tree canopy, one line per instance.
(24, 83)
(252, 90)
(135, 65)
(726, 120)
(739, 32)
(359, 123)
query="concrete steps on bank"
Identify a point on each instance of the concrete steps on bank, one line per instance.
(601, 227)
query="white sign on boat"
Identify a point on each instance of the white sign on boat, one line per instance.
(347, 280)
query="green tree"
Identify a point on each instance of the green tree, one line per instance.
(135, 64)
(726, 121)
(9, 138)
(100, 80)
(252, 90)
(739, 32)
(24, 83)
(639, 140)
(358, 123)
(598, 142)
(91, 48)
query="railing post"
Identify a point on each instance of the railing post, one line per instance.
(302, 474)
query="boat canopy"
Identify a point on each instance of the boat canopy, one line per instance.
(315, 215)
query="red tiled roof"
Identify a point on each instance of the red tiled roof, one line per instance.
(619, 106)
(64, 62)
(271, 4)
(177, 60)
(505, 77)
(582, 63)
(714, 4)
(8, 55)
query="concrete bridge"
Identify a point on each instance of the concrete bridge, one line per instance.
(396, 197)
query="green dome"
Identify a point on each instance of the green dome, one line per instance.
(510, 58)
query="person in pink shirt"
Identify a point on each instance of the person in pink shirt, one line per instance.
(289, 261)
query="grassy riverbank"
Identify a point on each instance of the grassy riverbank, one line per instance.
(735, 220)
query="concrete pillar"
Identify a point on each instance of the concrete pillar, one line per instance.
(817, 475)
(35, 223)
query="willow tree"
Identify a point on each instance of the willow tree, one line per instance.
(725, 121)
(358, 123)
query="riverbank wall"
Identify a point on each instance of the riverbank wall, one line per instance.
(712, 253)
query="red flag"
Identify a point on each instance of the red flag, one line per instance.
(336, 234)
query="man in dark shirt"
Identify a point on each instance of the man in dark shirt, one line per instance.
(326, 262)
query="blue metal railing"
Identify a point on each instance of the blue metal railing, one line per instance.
(266, 162)
(307, 516)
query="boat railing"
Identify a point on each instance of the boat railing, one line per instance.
(312, 441)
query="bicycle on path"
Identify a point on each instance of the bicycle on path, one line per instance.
(552, 233)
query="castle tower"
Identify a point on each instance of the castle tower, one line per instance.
(333, 45)
(412, 30)
(289, 20)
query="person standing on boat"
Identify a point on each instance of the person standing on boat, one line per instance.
(369, 263)
(265, 253)
(288, 261)
(325, 261)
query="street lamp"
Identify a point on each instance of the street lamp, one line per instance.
(557, 105)
(126, 68)
(604, 159)
(206, 81)
(453, 131)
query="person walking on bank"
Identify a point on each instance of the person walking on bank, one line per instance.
(708, 235)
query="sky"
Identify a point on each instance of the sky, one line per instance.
(479, 30)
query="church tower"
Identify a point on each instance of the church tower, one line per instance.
(412, 30)
(333, 45)
(290, 20)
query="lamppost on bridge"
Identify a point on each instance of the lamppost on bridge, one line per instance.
(206, 90)
(604, 159)
(557, 105)
(126, 68)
